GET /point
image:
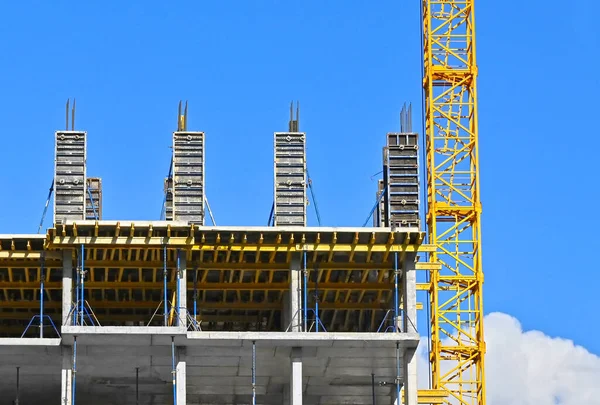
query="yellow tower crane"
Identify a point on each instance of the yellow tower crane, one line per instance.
(454, 207)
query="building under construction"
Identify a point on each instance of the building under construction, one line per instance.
(177, 311)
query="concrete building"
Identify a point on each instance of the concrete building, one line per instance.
(177, 312)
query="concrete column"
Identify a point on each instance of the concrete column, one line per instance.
(286, 319)
(181, 378)
(295, 300)
(409, 295)
(66, 379)
(183, 289)
(409, 289)
(67, 285)
(410, 377)
(295, 393)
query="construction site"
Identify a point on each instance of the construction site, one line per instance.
(179, 310)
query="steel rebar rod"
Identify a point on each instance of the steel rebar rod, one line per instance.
(137, 386)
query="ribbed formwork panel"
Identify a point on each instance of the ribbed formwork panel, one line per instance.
(188, 177)
(290, 179)
(168, 189)
(401, 180)
(94, 188)
(69, 176)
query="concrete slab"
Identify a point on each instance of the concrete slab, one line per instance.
(123, 335)
(301, 339)
(29, 342)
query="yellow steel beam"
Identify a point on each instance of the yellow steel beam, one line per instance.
(454, 207)
(431, 396)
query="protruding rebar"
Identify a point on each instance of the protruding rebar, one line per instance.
(73, 116)
(294, 124)
(179, 117)
(185, 116)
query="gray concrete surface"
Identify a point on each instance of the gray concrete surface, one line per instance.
(217, 366)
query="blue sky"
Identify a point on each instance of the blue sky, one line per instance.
(352, 65)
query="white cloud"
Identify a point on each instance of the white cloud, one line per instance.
(531, 368)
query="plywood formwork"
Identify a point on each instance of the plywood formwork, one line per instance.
(239, 275)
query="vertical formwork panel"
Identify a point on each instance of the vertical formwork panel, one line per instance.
(290, 179)
(93, 198)
(188, 177)
(69, 176)
(168, 190)
(401, 180)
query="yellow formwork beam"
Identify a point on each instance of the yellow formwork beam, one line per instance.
(188, 242)
(257, 306)
(202, 286)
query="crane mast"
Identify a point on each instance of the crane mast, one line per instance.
(454, 207)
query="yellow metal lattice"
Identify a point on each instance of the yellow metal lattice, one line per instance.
(454, 209)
